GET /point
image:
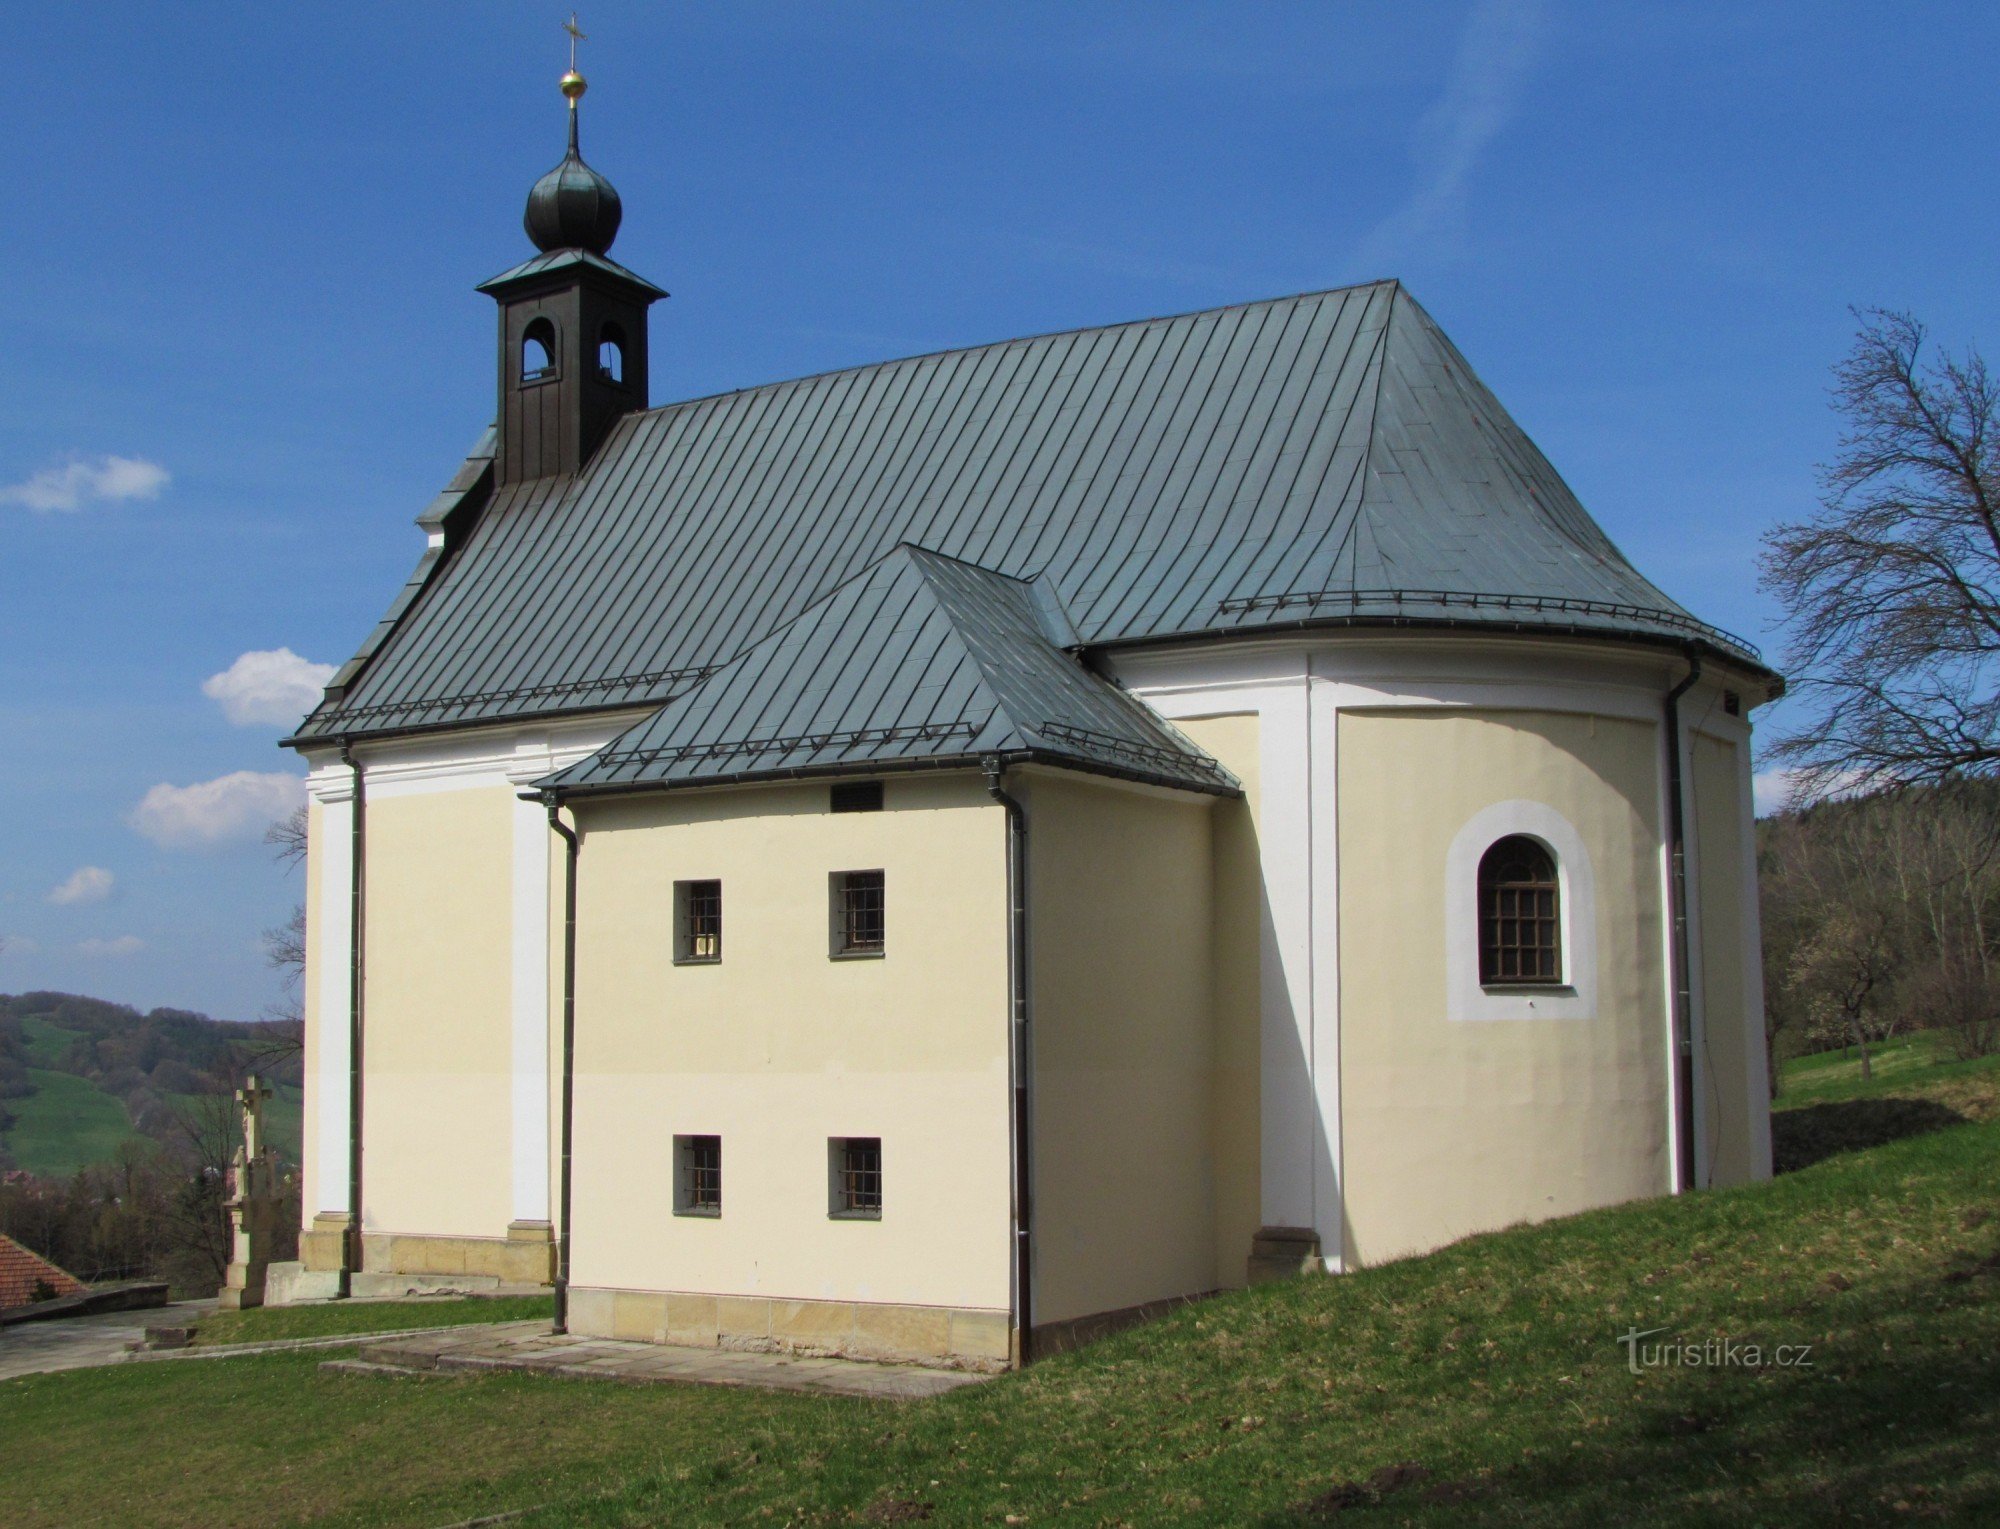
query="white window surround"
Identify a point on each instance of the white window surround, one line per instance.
(1466, 998)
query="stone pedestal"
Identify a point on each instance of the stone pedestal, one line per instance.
(253, 1204)
(1284, 1252)
(253, 1227)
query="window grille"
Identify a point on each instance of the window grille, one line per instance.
(699, 1172)
(857, 1176)
(1520, 927)
(858, 913)
(698, 913)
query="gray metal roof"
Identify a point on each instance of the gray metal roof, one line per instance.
(1324, 459)
(917, 660)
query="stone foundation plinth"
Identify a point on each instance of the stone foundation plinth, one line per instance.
(525, 1256)
(943, 1336)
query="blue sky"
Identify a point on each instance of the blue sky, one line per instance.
(240, 349)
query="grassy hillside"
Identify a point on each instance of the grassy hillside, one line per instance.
(1484, 1383)
(80, 1077)
(64, 1125)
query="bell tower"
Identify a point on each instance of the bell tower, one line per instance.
(572, 322)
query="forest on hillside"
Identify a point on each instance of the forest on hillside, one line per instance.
(141, 1109)
(148, 1062)
(1881, 915)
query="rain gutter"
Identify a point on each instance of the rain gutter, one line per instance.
(994, 769)
(553, 802)
(1683, 1019)
(351, 1249)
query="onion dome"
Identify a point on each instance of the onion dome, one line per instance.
(573, 207)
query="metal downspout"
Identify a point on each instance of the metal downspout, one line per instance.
(1017, 1062)
(569, 838)
(351, 1248)
(1677, 890)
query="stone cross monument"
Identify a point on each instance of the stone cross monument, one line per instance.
(252, 1203)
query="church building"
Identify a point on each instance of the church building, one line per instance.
(934, 860)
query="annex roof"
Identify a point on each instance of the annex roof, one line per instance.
(23, 1274)
(1325, 459)
(917, 660)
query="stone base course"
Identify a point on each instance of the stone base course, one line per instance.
(525, 1256)
(945, 1337)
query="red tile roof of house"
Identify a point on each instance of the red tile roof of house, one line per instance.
(21, 1271)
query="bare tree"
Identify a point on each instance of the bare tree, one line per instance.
(285, 948)
(287, 838)
(1892, 591)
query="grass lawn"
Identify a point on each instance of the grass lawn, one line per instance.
(267, 1323)
(67, 1123)
(1483, 1382)
(1919, 1085)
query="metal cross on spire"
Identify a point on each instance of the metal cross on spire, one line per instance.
(576, 35)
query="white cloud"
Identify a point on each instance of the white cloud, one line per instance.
(273, 686)
(123, 945)
(96, 480)
(87, 884)
(237, 806)
(1771, 791)
(1495, 52)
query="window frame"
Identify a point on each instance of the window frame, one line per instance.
(685, 936)
(612, 333)
(1466, 998)
(845, 1199)
(840, 923)
(541, 329)
(855, 796)
(691, 1196)
(1495, 912)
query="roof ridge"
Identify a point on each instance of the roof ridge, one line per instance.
(1392, 282)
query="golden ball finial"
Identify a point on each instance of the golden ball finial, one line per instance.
(573, 86)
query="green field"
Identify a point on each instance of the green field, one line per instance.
(69, 1123)
(284, 1117)
(1483, 1383)
(46, 1042)
(64, 1125)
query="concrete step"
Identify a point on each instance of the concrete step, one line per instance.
(1283, 1252)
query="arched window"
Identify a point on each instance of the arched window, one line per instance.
(538, 351)
(1520, 917)
(611, 353)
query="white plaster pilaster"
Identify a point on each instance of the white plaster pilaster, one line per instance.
(333, 940)
(530, 1044)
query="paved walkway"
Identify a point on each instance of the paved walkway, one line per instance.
(531, 1347)
(75, 1343)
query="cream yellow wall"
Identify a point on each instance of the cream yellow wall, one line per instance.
(777, 1048)
(1728, 1096)
(310, 1168)
(1454, 1127)
(1236, 1003)
(436, 1056)
(1119, 885)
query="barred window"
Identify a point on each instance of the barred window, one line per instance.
(697, 921)
(697, 1175)
(855, 1177)
(856, 796)
(858, 913)
(1520, 938)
